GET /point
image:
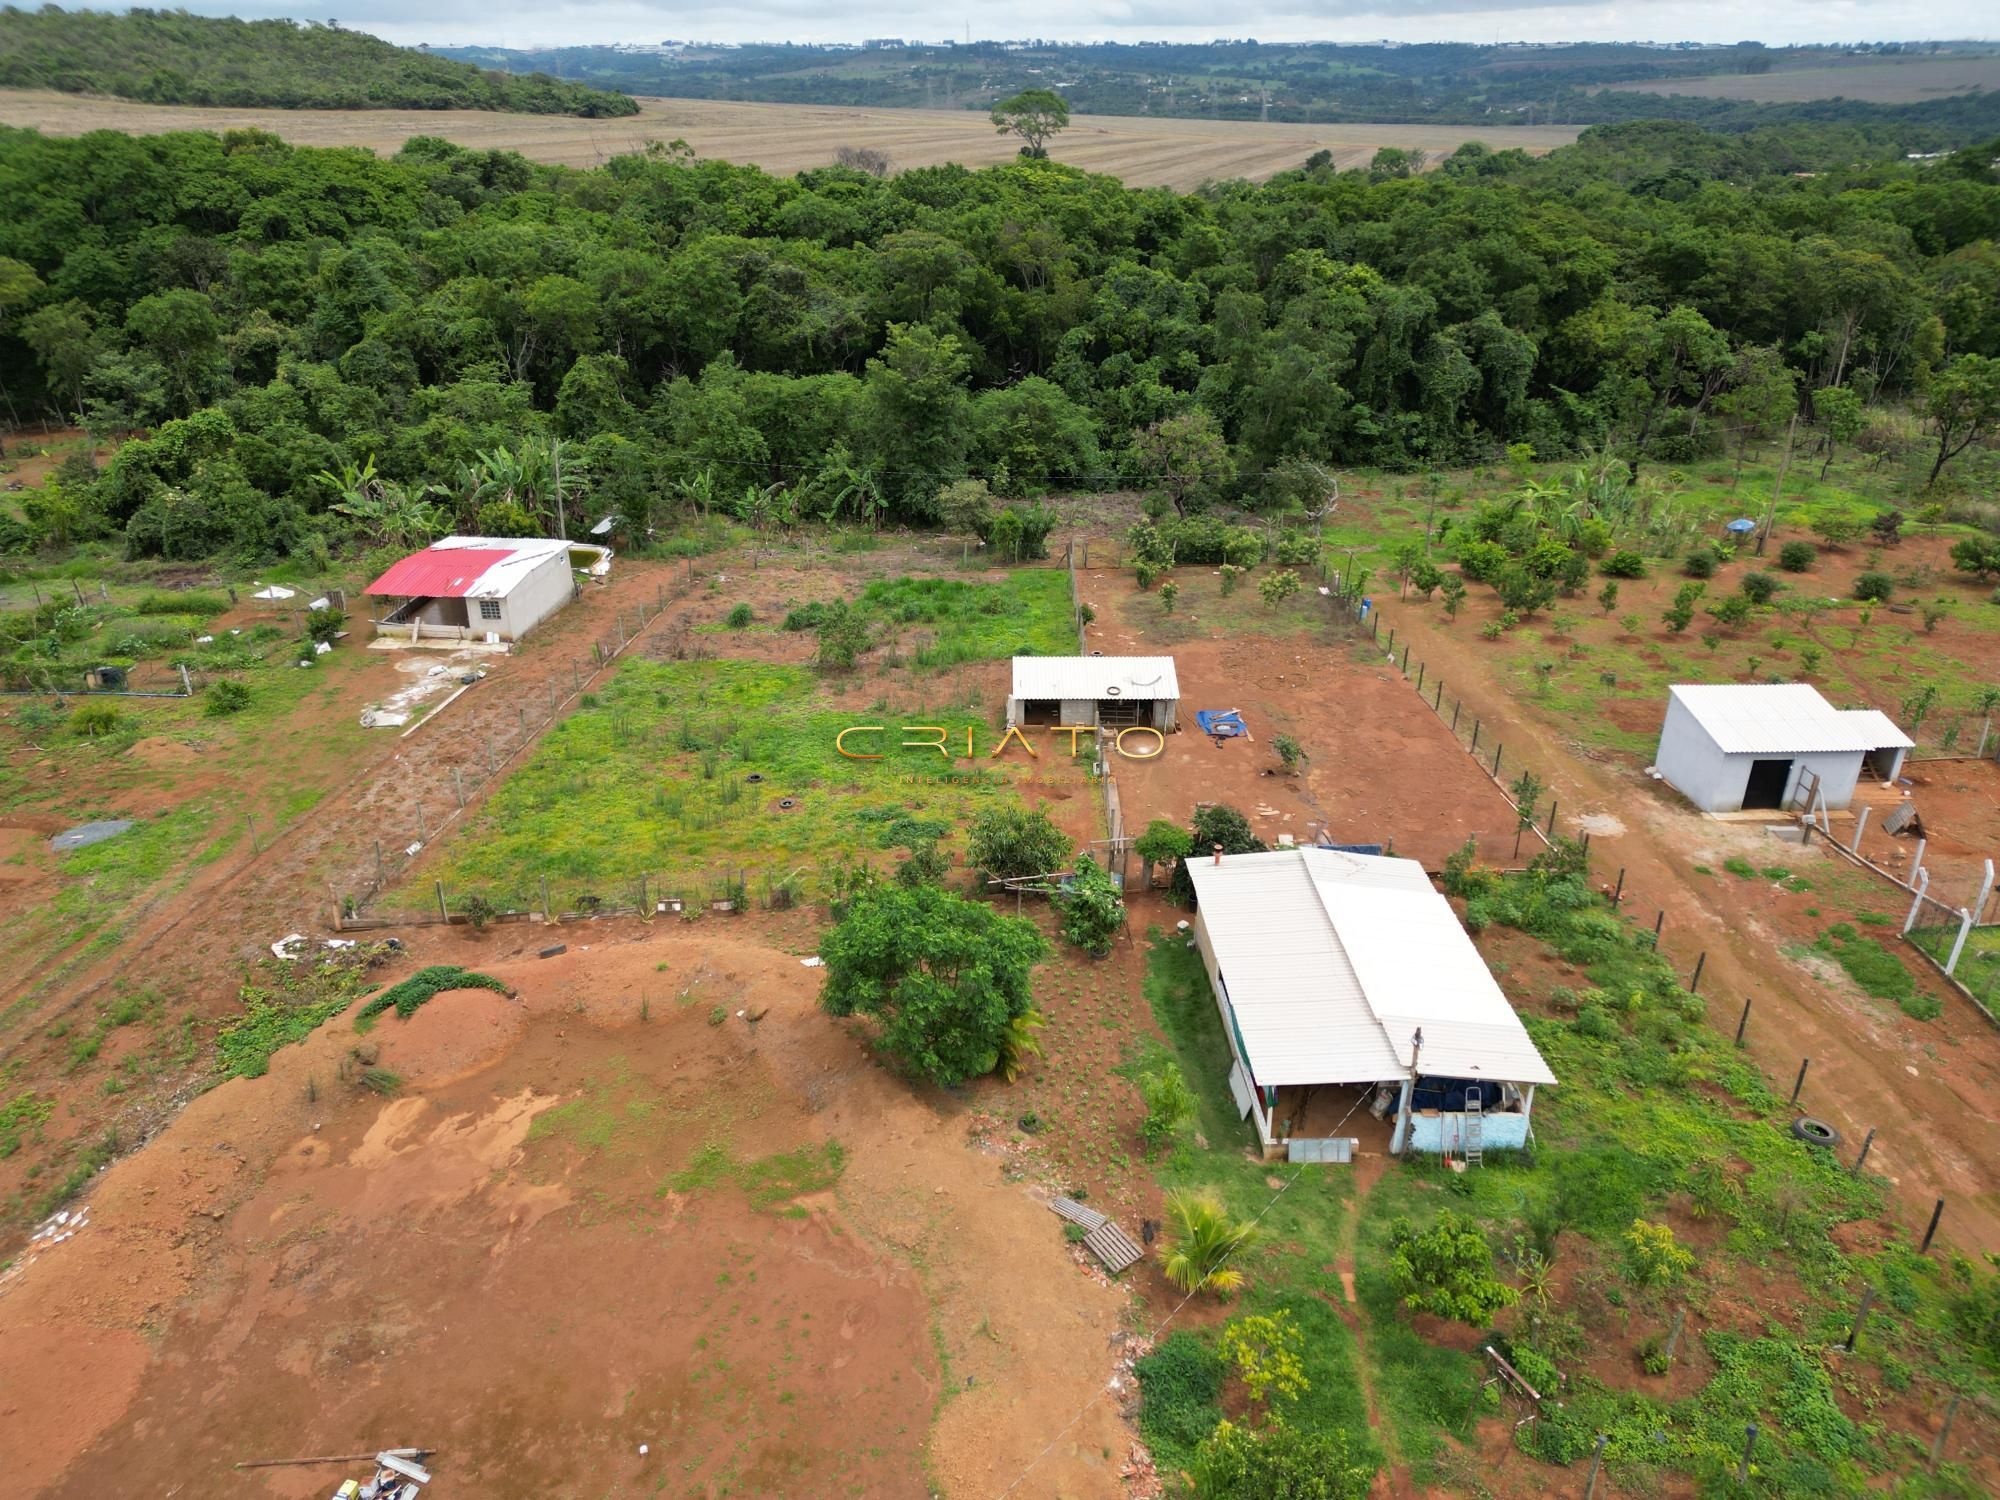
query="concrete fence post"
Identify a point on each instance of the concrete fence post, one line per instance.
(1922, 882)
(1958, 943)
(1860, 826)
(1918, 863)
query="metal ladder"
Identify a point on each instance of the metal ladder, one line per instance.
(1475, 1129)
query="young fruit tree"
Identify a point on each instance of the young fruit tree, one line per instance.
(947, 978)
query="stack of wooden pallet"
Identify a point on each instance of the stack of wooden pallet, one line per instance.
(1101, 1237)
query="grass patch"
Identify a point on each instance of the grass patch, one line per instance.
(1740, 867)
(22, 1118)
(655, 780)
(1878, 971)
(287, 1004)
(767, 1181)
(407, 997)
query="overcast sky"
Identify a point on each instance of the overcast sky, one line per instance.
(529, 23)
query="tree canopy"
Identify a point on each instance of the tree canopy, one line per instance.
(171, 57)
(945, 976)
(837, 345)
(1034, 115)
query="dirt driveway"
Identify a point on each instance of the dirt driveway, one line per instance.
(1937, 1108)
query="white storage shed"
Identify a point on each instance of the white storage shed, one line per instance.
(1116, 692)
(1346, 980)
(1733, 746)
(474, 588)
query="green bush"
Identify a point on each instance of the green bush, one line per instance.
(1797, 557)
(1700, 563)
(1093, 912)
(740, 617)
(1760, 588)
(1280, 1463)
(225, 697)
(94, 721)
(1624, 563)
(1874, 588)
(420, 986)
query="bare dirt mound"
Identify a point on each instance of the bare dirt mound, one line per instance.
(568, 1232)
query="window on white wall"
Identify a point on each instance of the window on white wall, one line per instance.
(489, 609)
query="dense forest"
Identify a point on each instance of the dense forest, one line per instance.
(171, 57)
(1302, 82)
(306, 344)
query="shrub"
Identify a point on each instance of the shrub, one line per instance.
(324, 625)
(1798, 557)
(1977, 555)
(1267, 1350)
(740, 617)
(1700, 563)
(807, 616)
(1092, 910)
(1656, 1258)
(1731, 609)
(1624, 563)
(1181, 1381)
(1290, 752)
(413, 992)
(1170, 1105)
(1874, 588)
(225, 697)
(1276, 588)
(1010, 842)
(93, 721)
(1680, 613)
(1280, 1463)
(1217, 823)
(1482, 561)
(1447, 1270)
(1759, 588)
(843, 636)
(1296, 549)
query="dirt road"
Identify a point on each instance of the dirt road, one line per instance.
(1937, 1109)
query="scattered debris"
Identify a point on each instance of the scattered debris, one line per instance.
(552, 952)
(289, 947)
(814, 962)
(89, 833)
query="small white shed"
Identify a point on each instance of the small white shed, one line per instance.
(1116, 692)
(1733, 746)
(473, 587)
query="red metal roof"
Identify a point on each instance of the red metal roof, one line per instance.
(439, 572)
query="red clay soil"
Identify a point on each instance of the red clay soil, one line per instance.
(1959, 803)
(1938, 1109)
(191, 944)
(1380, 766)
(495, 1262)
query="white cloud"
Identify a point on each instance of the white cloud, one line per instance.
(516, 23)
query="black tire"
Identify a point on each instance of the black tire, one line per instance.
(1815, 1132)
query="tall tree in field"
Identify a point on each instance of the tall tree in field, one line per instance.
(1762, 394)
(1963, 404)
(1840, 416)
(1034, 115)
(1186, 456)
(946, 977)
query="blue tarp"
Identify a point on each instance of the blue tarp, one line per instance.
(1742, 525)
(1222, 723)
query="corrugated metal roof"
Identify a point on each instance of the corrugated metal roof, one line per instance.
(1783, 718)
(467, 567)
(1333, 960)
(1095, 677)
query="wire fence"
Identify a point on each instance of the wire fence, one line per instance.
(447, 797)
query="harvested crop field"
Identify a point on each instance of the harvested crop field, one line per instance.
(1871, 83)
(786, 138)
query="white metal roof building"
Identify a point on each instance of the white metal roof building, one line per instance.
(1328, 965)
(1108, 690)
(1731, 746)
(476, 587)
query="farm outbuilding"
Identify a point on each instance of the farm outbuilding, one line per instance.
(1735, 746)
(1115, 692)
(475, 588)
(1345, 981)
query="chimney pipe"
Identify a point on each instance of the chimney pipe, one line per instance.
(1218, 854)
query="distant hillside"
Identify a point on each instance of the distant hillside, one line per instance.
(1321, 83)
(171, 57)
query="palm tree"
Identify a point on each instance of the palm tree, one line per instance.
(1205, 1240)
(1020, 1043)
